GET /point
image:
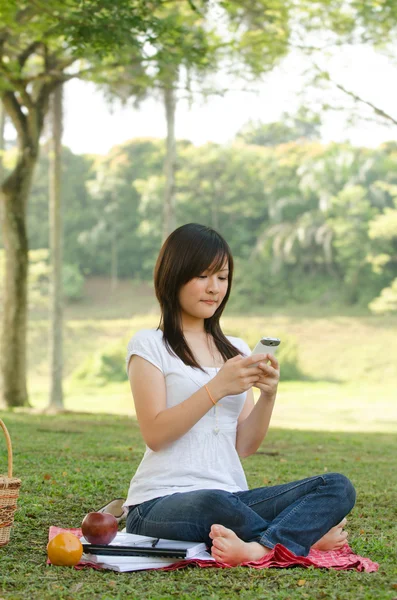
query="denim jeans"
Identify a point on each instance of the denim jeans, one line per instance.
(295, 514)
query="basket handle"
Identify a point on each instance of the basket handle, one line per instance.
(9, 447)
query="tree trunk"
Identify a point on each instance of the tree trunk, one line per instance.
(215, 211)
(56, 244)
(170, 162)
(2, 141)
(14, 194)
(114, 277)
(215, 203)
(13, 197)
(114, 262)
(2, 148)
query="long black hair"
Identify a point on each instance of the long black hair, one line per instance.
(186, 253)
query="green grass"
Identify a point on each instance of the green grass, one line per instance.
(73, 463)
(341, 417)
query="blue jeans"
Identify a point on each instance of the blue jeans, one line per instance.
(295, 514)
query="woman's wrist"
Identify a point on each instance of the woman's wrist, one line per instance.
(269, 396)
(214, 390)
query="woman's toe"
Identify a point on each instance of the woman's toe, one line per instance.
(214, 531)
(216, 554)
(342, 524)
(218, 543)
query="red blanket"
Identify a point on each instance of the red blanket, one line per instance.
(343, 559)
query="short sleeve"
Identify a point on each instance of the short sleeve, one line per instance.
(240, 345)
(144, 344)
(245, 348)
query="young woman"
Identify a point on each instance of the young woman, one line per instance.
(192, 388)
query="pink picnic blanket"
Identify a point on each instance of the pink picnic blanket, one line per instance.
(343, 559)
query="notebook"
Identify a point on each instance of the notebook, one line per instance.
(130, 552)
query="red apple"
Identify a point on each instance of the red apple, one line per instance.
(99, 528)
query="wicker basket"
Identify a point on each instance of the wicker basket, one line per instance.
(9, 491)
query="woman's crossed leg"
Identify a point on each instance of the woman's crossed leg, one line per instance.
(243, 526)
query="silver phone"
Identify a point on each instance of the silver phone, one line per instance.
(266, 345)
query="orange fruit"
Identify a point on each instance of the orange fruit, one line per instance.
(65, 549)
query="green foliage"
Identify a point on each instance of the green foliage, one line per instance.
(256, 287)
(73, 282)
(78, 212)
(106, 365)
(306, 223)
(39, 278)
(91, 29)
(350, 214)
(386, 302)
(118, 210)
(384, 226)
(304, 125)
(259, 33)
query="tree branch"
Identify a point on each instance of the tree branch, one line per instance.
(63, 77)
(41, 107)
(24, 15)
(23, 57)
(376, 109)
(194, 7)
(356, 97)
(15, 113)
(18, 84)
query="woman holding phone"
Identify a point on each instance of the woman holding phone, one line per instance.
(192, 388)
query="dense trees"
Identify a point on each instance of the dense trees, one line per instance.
(305, 221)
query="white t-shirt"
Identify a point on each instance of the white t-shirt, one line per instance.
(205, 457)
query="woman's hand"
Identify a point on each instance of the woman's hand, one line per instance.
(269, 377)
(237, 375)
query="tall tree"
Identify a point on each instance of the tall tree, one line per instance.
(41, 46)
(2, 147)
(170, 159)
(182, 56)
(2, 141)
(56, 245)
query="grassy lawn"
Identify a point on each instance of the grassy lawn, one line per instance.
(72, 463)
(342, 416)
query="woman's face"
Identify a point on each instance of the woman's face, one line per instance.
(193, 296)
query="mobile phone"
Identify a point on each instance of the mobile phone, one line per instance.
(266, 345)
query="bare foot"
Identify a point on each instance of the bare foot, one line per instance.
(230, 549)
(333, 540)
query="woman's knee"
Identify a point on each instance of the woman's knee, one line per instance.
(344, 490)
(219, 506)
(213, 499)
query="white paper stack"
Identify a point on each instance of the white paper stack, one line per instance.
(122, 563)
